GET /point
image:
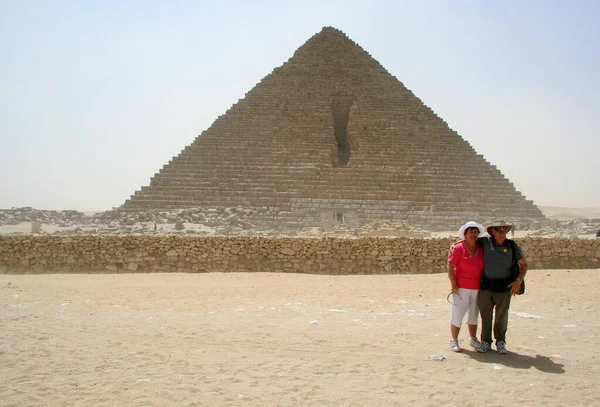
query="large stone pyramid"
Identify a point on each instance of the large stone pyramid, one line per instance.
(331, 137)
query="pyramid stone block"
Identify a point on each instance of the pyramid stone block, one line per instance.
(332, 136)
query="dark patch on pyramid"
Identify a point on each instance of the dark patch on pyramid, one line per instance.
(332, 135)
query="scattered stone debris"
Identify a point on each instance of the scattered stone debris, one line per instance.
(15, 216)
(235, 221)
(199, 221)
(569, 228)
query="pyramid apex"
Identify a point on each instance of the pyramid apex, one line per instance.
(328, 36)
(332, 29)
(328, 30)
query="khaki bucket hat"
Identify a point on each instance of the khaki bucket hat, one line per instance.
(499, 223)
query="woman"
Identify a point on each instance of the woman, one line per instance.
(465, 267)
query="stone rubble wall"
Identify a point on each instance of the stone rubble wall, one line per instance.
(369, 255)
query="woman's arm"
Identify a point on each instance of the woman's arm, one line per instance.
(452, 278)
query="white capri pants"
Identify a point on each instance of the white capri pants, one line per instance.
(465, 301)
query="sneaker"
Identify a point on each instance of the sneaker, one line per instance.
(474, 342)
(501, 347)
(454, 345)
(484, 347)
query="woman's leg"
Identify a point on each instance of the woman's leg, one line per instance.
(454, 331)
(473, 313)
(460, 306)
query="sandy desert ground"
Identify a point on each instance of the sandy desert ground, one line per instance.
(260, 339)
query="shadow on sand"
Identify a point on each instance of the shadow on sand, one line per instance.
(517, 361)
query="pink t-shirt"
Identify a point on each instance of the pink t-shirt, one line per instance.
(467, 268)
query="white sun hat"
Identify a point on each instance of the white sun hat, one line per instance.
(470, 224)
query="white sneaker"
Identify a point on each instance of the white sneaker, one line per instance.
(501, 347)
(474, 343)
(454, 345)
(485, 346)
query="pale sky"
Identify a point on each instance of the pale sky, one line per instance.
(95, 96)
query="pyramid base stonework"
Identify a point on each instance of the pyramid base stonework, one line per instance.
(329, 215)
(352, 214)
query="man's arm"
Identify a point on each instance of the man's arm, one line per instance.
(480, 241)
(515, 286)
(524, 268)
(518, 251)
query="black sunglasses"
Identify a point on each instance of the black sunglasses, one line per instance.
(501, 229)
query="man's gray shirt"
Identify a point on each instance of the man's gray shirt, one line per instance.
(498, 259)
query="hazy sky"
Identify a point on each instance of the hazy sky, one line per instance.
(95, 96)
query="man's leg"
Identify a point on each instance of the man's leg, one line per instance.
(502, 301)
(486, 309)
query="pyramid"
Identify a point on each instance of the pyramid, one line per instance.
(331, 137)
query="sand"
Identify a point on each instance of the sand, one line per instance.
(262, 339)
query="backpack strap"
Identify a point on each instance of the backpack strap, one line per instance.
(515, 264)
(511, 244)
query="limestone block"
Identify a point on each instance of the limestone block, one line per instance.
(287, 251)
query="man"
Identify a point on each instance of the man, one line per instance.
(498, 284)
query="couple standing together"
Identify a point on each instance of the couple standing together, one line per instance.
(483, 277)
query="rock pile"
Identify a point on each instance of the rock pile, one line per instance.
(569, 228)
(15, 216)
(194, 221)
(236, 221)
